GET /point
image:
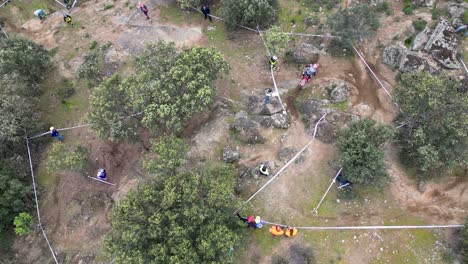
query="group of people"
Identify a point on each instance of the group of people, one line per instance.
(256, 222)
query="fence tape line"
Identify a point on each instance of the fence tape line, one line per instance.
(276, 89)
(61, 3)
(365, 227)
(4, 3)
(37, 203)
(464, 66)
(74, 4)
(323, 197)
(310, 35)
(60, 129)
(4, 32)
(285, 166)
(96, 179)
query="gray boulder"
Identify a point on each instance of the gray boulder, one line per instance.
(442, 45)
(230, 155)
(412, 62)
(338, 92)
(247, 129)
(313, 109)
(280, 120)
(376, 2)
(392, 55)
(419, 42)
(256, 105)
(457, 10)
(424, 3)
(305, 53)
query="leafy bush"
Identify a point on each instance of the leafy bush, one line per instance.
(63, 157)
(24, 58)
(276, 41)
(165, 92)
(301, 254)
(277, 259)
(189, 3)
(13, 196)
(340, 48)
(383, 7)
(419, 25)
(90, 70)
(178, 218)
(249, 13)
(107, 7)
(408, 7)
(170, 154)
(361, 153)
(464, 242)
(435, 137)
(23, 224)
(353, 24)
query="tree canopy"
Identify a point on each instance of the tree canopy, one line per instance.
(168, 88)
(361, 154)
(435, 137)
(178, 218)
(249, 12)
(23, 224)
(276, 41)
(354, 24)
(170, 154)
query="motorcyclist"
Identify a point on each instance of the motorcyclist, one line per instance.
(310, 70)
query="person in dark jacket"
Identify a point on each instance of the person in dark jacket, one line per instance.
(55, 133)
(143, 9)
(206, 11)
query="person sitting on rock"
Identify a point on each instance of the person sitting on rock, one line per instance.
(102, 174)
(276, 230)
(342, 181)
(290, 231)
(264, 170)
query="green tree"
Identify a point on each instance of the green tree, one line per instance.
(22, 57)
(13, 197)
(353, 24)
(170, 154)
(178, 218)
(249, 12)
(64, 157)
(188, 3)
(23, 224)
(464, 242)
(276, 41)
(161, 96)
(361, 154)
(90, 71)
(435, 137)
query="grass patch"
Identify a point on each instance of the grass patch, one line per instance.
(217, 35)
(173, 14)
(343, 106)
(107, 7)
(24, 10)
(265, 240)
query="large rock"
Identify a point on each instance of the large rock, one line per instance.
(327, 131)
(247, 129)
(412, 62)
(419, 42)
(280, 120)
(256, 105)
(392, 55)
(363, 110)
(457, 10)
(306, 53)
(424, 3)
(230, 155)
(442, 45)
(339, 92)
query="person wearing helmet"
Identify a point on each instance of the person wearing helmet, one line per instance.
(55, 133)
(40, 14)
(311, 70)
(290, 231)
(143, 9)
(276, 230)
(68, 19)
(273, 61)
(206, 11)
(102, 174)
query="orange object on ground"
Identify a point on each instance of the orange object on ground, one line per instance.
(276, 230)
(290, 232)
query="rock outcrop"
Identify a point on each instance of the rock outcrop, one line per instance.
(412, 62)
(419, 42)
(442, 45)
(306, 53)
(246, 129)
(230, 155)
(392, 55)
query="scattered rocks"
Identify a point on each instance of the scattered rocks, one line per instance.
(363, 110)
(419, 42)
(442, 45)
(230, 155)
(306, 53)
(412, 62)
(457, 10)
(424, 3)
(247, 129)
(392, 55)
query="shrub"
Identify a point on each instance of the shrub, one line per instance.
(63, 157)
(301, 254)
(419, 25)
(23, 224)
(383, 7)
(408, 7)
(277, 259)
(170, 154)
(464, 242)
(249, 13)
(340, 48)
(354, 24)
(276, 41)
(360, 151)
(435, 136)
(90, 70)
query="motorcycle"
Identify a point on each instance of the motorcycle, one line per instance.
(305, 78)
